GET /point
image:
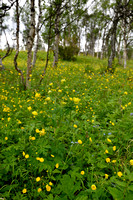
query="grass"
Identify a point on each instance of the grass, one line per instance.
(72, 137)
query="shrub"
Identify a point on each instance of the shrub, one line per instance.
(68, 52)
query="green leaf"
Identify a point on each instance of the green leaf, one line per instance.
(116, 193)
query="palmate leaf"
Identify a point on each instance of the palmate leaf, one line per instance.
(116, 193)
(68, 186)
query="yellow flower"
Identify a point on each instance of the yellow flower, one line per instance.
(29, 108)
(80, 141)
(108, 140)
(57, 165)
(47, 99)
(50, 183)
(50, 84)
(6, 138)
(34, 113)
(48, 188)
(63, 80)
(9, 118)
(125, 93)
(119, 174)
(59, 90)
(131, 162)
(76, 100)
(37, 130)
(82, 173)
(107, 160)
(75, 126)
(93, 187)
(38, 179)
(42, 132)
(106, 176)
(27, 156)
(113, 161)
(52, 156)
(39, 190)
(24, 190)
(23, 153)
(92, 120)
(106, 151)
(90, 139)
(41, 159)
(37, 95)
(114, 148)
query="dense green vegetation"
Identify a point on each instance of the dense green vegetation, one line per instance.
(70, 138)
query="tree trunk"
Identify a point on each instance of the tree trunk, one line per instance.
(118, 49)
(17, 45)
(37, 33)
(30, 43)
(113, 40)
(57, 35)
(124, 43)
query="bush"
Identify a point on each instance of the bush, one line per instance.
(68, 52)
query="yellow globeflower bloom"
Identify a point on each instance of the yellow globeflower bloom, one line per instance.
(131, 162)
(57, 165)
(27, 156)
(75, 126)
(108, 140)
(29, 108)
(106, 151)
(82, 173)
(114, 148)
(106, 176)
(80, 141)
(48, 188)
(119, 174)
(24, 190)
(41, 159)
(93, 187)
(6, 138)
(38, 179)
(50, 183)
(37, 95)
(34, 113)
(107, 160)
(39, 190)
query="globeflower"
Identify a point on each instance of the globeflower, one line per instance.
(24, 190)
(57, 165)
(34, 113)
(38, 179)
(114, 148)
(47, 99)
(93, 187)
(75, 126)
(107, 160)
(76, 100)
(106, 176)
(27, 156)
(48, 188)
(29, 108)
(80, 141)
(82, 173)
(131, 162)
(39, 190)
(119, 174)
(37, 95)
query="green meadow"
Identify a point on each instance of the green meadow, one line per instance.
(71, 138)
